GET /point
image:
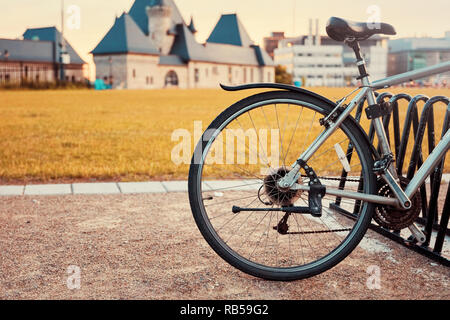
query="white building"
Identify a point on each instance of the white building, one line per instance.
(153, 47)
(313, 65)
(321, 61)
(409, 54)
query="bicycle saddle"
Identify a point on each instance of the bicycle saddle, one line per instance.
(339, 29)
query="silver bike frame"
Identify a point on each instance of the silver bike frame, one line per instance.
(390, 176)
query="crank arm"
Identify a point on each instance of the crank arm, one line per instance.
(404, 201)
(417, 234)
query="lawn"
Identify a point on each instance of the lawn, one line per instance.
(81, 135)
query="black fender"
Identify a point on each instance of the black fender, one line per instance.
(280, 86)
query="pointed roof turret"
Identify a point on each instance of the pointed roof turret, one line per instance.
(229, 30)
(192, 26)
(139, 13)
(125, 37)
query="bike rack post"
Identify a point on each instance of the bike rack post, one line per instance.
(434, 227)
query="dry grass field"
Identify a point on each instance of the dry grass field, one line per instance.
(81, 135)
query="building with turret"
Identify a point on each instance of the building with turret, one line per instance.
(152, 46)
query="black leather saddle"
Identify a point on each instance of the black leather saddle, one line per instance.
(339, 29)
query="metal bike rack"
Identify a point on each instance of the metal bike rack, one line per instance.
(434, 226)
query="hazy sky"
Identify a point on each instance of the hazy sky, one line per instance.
(260, 17)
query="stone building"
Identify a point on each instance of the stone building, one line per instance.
(151, 46)
(37, 58)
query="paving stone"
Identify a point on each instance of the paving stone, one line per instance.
(176, 186)
(11, 190)
(142, 187)
(95, 188)
(48, 189)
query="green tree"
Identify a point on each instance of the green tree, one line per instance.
(282, 76)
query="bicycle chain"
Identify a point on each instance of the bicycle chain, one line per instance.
(336, 179)
(319, 232)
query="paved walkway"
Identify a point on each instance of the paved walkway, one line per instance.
(129, 187)
(120, 188)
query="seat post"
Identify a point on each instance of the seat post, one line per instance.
(360, 62)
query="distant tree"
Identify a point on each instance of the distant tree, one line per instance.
(282, 76)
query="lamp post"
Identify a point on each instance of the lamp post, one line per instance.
(62, 54)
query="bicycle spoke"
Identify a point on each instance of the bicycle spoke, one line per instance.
(295, 130)
(281, 139)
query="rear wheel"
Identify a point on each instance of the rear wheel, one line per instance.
(242, 155)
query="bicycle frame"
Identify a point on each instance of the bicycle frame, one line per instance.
(390, 176)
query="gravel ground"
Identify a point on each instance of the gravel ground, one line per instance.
(148, 247)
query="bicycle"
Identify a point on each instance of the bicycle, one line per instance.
(252, 216)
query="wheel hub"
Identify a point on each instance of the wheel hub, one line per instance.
(280, 196)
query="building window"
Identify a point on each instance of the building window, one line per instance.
(147, 80)
(196, 75)
(245, 75)
(215, 71)
(134, 73)
(7, 77)
(230, 74)
(251, 75)
(171, 79)
(207, 72)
